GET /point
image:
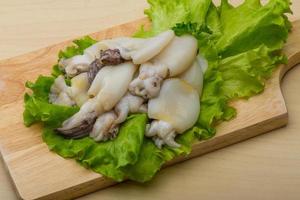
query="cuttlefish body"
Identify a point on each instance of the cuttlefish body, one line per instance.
(109, 86)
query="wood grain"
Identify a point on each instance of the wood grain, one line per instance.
(27, 158)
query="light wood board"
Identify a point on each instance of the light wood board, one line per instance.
(37, 173)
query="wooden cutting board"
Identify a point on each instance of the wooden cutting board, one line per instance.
(38, 173)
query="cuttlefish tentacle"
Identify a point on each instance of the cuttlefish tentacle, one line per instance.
(129, 104)
(81, 130)
(173, 60)
(107, 125)
(59, 93)
(76, 65)
(175, 110)
(147, 84)
(162, 133)
(111, 88)
(99, 52)
(104, 127)
(76, 94)
(81, 122)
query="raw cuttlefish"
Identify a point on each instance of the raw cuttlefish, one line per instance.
(161, 76)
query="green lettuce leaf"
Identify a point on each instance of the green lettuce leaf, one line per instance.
(56, 71)
(78, 48)
(41, 87)
(239, 76)
(165, 14)
(151, 158)
(107, 158)
(37, 110)
(250, 25)
(130, 155)
(37, 107)
(240, 57)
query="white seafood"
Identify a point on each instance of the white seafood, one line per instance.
(194, 76)
(87, 111)
(178, 55)
(129, 104)
(76, 64)
(79, 87)
(152, 47)
(59, 85)
(62, 94)
(141, 50)
(111, 83)
(59, 93)
(173, 60)
(94, 50)
(107, 124)
(202, 62)
(162, 133)
(167, 86)
(63, 99)
(109, 86)
(104, 127)
(147, 84)
(125, 45)
(177, 104)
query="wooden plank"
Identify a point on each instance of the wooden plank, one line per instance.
(37, 173)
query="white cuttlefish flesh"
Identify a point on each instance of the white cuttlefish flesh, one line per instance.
(173, 60)
(62, 94)
(107, 124)
(109, 86)
(193, 76)
(175, 110)
(76, 65)
(140, 50)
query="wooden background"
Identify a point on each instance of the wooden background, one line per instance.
(265, 167)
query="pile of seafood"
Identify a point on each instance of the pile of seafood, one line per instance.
(161, 76)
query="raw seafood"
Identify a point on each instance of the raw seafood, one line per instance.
(107, 89)
(62, 94)
(194, 76)
(176, 108)
(107, 125)
(162, 133)
(107, 57)
(76, 65)
(140, 50)
(110, 79)
(104, 127)
(178, 55)
(59, 93)
(172, 61)
(147, 84)
(129, 104)
(79, 87)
